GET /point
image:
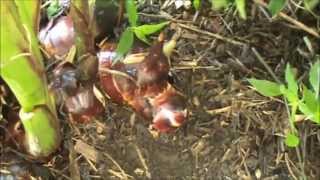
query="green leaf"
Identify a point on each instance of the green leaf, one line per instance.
(196, 4)
(311, 114)
(310, 106)
(275, 6)
(132, 12)
(125, 43)
(291, 81)
(266, 88)
(53, 9)
(219, 4)
(292, 97)
(292, 140)
(141, 36)
(316, 117)
(241, 6)
(305, 109)
(150, 28)
(314, 77)
(310, 99)
(311, 4)
(143, 31)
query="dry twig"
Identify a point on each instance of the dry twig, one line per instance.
(297, 23)
(214, 35)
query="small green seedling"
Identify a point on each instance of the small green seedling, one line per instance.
(141, 31)
(307, 101)
(274, 6)
(240, 5)
(196, 4)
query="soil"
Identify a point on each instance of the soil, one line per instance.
(232, 132)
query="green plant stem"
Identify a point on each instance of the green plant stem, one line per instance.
(292, 117)
(291, 113)
(23, 70)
